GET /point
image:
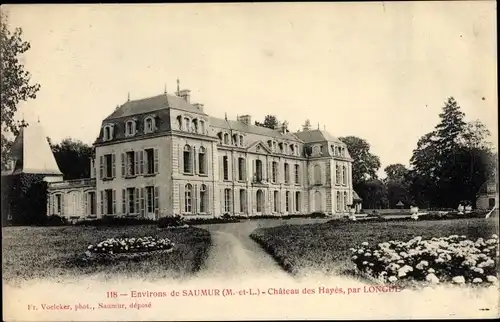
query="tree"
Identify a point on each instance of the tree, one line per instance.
(270, 121)
(365, 164)
(15, 83)
(73, 158)
(397, 185)
(374, 194)
(451, 162)
(396, 172)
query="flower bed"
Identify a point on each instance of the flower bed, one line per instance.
(130, 245)
(452, 259)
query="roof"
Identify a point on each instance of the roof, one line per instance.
(31, 152)
(316, 136)
(150, 104)
(253, 129)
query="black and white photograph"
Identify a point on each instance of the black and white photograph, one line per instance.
(249, 161)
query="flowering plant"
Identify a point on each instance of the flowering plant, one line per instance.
(447, 259)
(130, 245)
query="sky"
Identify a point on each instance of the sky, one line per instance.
(380, 71)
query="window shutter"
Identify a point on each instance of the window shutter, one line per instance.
(194, 157)
(137, 200)
(182, 207)
(102, 202)
(101, 167)
(114, 201)
(254, 170)
(123, 165)
(136, 161)
(157, 201)
(62, 203)
(142, 202)
(270, 171)
(113, 169)
(181, 159)
(124, 201)
(221, 167)
(141, 167)
(155, 169)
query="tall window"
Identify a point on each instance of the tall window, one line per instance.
(202, 127)
(345, 200)
(107, 166)
(187, 123)
(258, 170)
(108, 132)
(187, 159)
(226, 138)
(292, 149)
(338, 201)
(344, 175)
(287, 201)
(203, 199)
(227, 200)
(130, 163)
(179, 122)
(241, 169)
(243, 200)
(109, 201)
(150, 199)
(235, 139)
(337, 174)
(241, 140)
(317, 174)
(131, 201)
(297, 201)
(275, 171)
(276, 201)
(91, 206)
(151, 161)
(188, 195)
(195, 126)
(225, 166)
(287, 173)
(201, 161)
(58, 204)
(297, 174)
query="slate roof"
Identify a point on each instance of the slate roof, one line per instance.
(150, 104)
(316, 136)
(253, 129)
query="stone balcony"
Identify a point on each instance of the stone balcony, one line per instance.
(77, 183)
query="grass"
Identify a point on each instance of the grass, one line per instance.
(325, 246)
(52, 252)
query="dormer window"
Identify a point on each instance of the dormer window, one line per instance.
(187, 123)
(149, 124)
(108, 132)
(241, 140)
(202, 127)
(235, 139)
(130, 128)
(194, 127)
(292, 149)
(226, 138)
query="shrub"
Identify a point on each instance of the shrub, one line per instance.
(116, 221)
(171, 221)
(56, 220)
(130, 245)
(452, 259)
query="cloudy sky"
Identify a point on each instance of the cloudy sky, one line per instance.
(381, 71)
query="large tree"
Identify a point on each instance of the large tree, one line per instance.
(451, 162)
(73, 158)
(365, 164)
(397, 185)
(14, 84)
(270, 121)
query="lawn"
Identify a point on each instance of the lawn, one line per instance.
(53, 252)
(325, 246)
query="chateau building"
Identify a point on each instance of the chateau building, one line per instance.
(164, 155)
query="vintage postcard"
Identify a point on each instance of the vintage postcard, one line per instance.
(249, 161)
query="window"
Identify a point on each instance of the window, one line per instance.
(337, 174)
(109, 201)
(241, 169)
(235, 139)
(275, 171)
(150, 199)
(58, 204)
(219, 135)
(345, 200)
(297, 201)
(227, 200)
(188, 195)
(91, 206)
(292, 149)
(130, 128)
(187, 124)
(201, 161)
(260, 201)
(243, 201)
(270, 143)
(179, 122)
(107, 166)
(149, 124)
(297, 174)
(241, 140)
(258, 170)
(203, 199)
(108, 132)
(131, 201)
(344, 175)
(187, 159)
(338, 200)
(281, 147)
(274, 146)
(225, 166)
(317, 174)
(151, 161)
(287, 173)
(226, 138)
(202, 127)
(195, 126)
(287, 201)
(130, 163)
(276, 201)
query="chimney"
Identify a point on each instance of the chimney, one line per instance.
(185, 94)
(245, 119)
(284, 127)
(199, 106)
